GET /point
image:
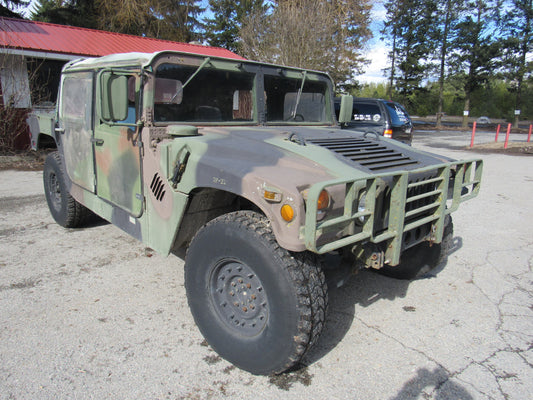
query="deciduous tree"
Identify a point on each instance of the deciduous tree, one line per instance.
(327, 35)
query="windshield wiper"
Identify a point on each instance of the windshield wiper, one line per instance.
(299, 96)
(206, 61)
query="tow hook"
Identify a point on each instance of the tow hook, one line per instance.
(369, 255)
(432, 236)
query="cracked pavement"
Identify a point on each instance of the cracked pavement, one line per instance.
(91, 313)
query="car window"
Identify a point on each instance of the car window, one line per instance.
(397, 113)
(367, 112)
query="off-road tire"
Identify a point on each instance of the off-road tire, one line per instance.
(422, 258)
(65, 210)
(258, 305)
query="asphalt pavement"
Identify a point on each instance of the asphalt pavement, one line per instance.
(92, 314)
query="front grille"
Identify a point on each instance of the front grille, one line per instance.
(370, 154)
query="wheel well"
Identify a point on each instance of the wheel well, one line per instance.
(46, 142)
(204, 205)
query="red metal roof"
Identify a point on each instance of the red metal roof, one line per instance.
(63, 39)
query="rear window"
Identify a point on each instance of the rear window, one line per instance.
(367, 112)
(398, 114)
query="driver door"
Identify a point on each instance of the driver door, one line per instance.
(117, 151)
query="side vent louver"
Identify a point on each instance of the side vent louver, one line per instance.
(157, 187)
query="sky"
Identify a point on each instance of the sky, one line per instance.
(377, 51)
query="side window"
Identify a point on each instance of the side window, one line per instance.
(367, 112)
(132, 112)
(76, 99)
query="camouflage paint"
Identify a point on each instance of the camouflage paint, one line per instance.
(135, 169)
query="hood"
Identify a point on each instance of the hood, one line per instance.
(332, 148)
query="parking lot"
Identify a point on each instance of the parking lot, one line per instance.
(92, 313)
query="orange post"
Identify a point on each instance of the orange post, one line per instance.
(529, 134)
(507, 136)
(473, 135)
(497, 133)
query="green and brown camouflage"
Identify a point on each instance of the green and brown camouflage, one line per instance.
(159, 144)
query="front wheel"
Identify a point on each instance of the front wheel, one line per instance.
(258, 305)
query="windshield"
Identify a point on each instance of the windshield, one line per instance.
(210, 96)
(285, 104)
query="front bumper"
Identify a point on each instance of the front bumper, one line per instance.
(408, 205)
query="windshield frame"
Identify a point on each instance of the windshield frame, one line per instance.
(260, 70)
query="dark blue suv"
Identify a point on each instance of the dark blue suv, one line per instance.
(384, 117)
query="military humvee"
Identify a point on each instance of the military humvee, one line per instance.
(243, 164)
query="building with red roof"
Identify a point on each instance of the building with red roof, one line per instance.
(64, 42)
(33, 53)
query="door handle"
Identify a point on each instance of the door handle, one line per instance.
(97, 142)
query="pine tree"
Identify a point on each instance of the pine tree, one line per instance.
(516, 23)
(8, 8)
(476, 48)
(71, 12)
(408, 28)
(223, 29)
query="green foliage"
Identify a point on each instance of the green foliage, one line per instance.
(374, 90)
(163, 19)
(73, 12)
(408, 28)
(223, 29)
(9, 8)
(495, 99)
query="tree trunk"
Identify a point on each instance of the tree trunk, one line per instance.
(444, 48)
(466, 109)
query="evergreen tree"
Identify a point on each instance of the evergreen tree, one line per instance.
(408, 26)
(476, 48)
(8, 8)
(223, 29)
(176, 20)
(516, 22)
(163, 19)
(71, 12)
(447, 17)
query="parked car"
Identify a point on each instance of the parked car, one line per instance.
(483, 120)
(387, 118)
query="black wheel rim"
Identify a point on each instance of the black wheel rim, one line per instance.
(238, 297)
(54, 191)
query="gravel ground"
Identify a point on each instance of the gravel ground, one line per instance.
(91, 313)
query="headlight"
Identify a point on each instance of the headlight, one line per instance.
(361, 206)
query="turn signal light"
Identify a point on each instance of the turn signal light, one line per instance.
(387, 133)
(287, 213)
(323, 200)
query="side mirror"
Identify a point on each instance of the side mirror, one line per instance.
(113, 97)
(345, 114)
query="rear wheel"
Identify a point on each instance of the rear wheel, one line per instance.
(258, 305)
(422, 258)
(65, 210)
